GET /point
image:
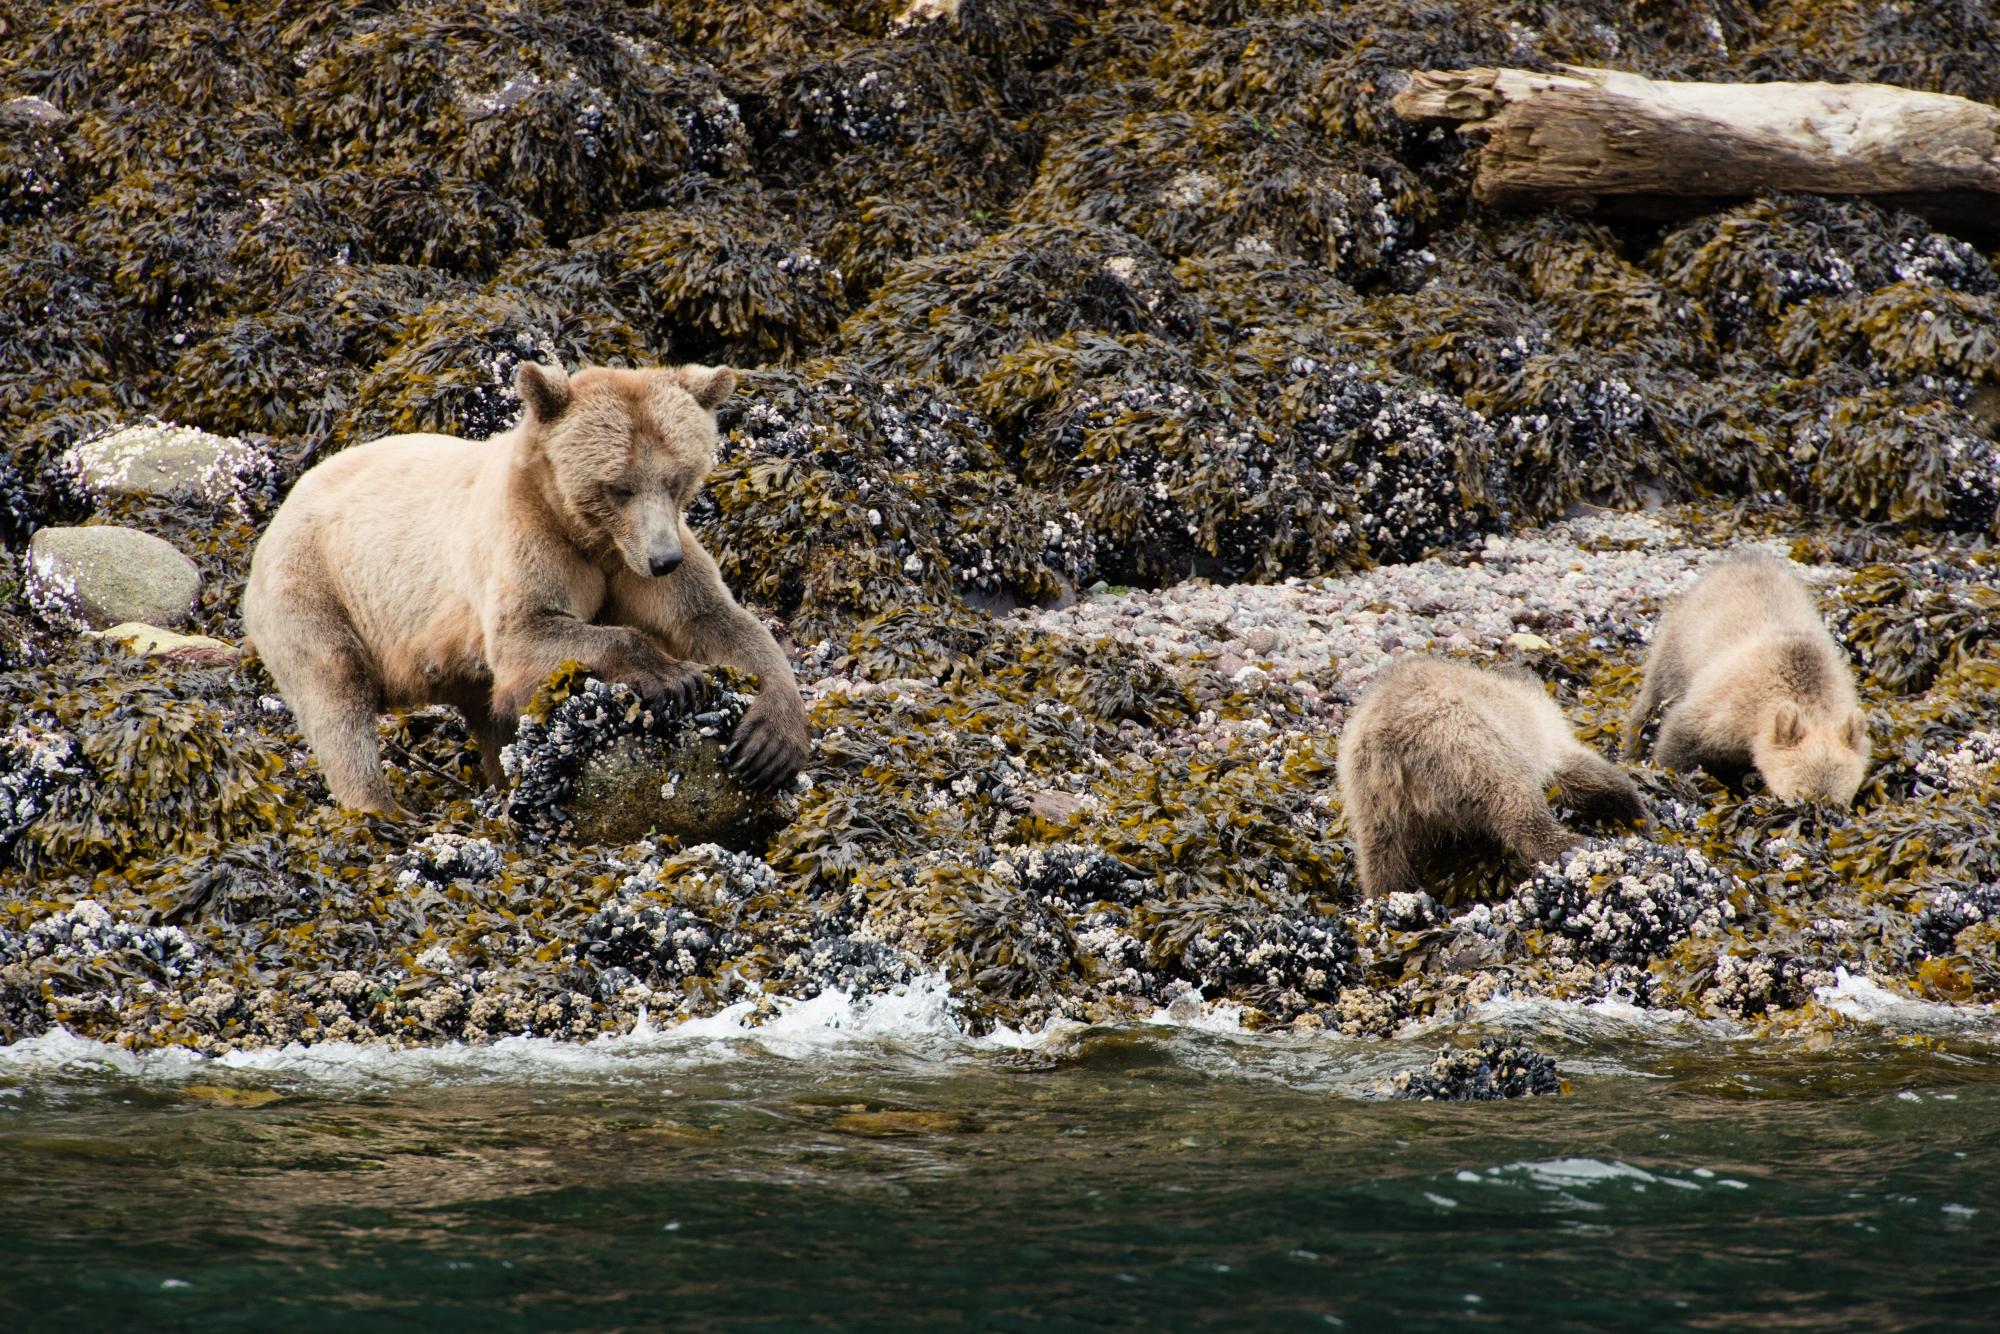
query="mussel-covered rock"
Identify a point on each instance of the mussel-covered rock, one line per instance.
(1494, 1070)
(596, 762)
(1621, 902)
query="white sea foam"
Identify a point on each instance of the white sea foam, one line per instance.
(916, 1020)
(918, 1023)
(1610, 1019)
(1569, 1173)
(1864, 1000)
(1190, 1011)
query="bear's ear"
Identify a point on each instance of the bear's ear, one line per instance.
(1854, 731)
(544, 389)
(709, 384)
(1787, 729)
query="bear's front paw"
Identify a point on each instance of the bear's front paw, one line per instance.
(675, 686)
(770, 746)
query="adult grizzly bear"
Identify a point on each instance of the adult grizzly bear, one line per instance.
(423, 569)
(1750, 677)
(1437, 751)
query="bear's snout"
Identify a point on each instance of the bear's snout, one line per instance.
(666, 564)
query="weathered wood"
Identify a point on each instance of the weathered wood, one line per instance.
(1600, 140)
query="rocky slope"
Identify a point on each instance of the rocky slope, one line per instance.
(1124, 384)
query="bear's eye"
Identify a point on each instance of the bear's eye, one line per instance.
(619, 494)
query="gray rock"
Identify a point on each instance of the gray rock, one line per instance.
(1262, 640)
(168, 462)
(30, 111)
(640, 785)
(94, 578)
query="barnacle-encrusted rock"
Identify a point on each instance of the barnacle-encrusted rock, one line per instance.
(87, 934)
(163, 461)
(96, 577)
(1966, 766)
(1493, 1070)
(1283, 961)
(594, 760)
(35, 759)
(1621, 902)
(442, 858)
(1949, 910)
(1284, 958)
(1760, 985)
(1075, 875)
(636, 941)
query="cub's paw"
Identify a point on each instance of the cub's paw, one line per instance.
(771, 744)
(673, 685)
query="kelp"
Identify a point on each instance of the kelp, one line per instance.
(1032, 302)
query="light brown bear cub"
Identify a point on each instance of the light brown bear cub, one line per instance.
(423, 569)
(1749, 676)
(1438, 751)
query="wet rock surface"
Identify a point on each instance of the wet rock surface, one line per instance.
(1492, 1071)
(1096, 446)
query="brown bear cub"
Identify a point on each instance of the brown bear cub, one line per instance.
(1438, 751)
(423, 569)
(1750, 677)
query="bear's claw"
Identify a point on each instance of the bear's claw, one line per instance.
(676, 690)
(767, 752)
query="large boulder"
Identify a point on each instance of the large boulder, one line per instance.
(641, 785)
(97, 577)
(168, 462)
(595, 763)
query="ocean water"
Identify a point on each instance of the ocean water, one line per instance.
(871, 1167)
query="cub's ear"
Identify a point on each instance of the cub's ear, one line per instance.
(1787, 729)
(709, 384)
(544, 389)
(1854, 732)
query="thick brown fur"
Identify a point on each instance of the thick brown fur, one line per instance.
(1749, 676)
(424, 569)
(1437, 751)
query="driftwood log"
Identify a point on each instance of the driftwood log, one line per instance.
(1600, 140)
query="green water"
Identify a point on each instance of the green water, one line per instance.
(1136, 1179)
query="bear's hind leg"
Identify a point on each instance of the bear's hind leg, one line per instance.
(492, 734)
(339, 723)
(329, 681)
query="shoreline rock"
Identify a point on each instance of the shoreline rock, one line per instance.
(96, 577)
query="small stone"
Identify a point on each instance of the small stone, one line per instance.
(150, 641)
(1525, 642)
(1263, 640)
(1057, 808)
(919, 12)
(168, 462)
(97, 577)
(30, 111)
